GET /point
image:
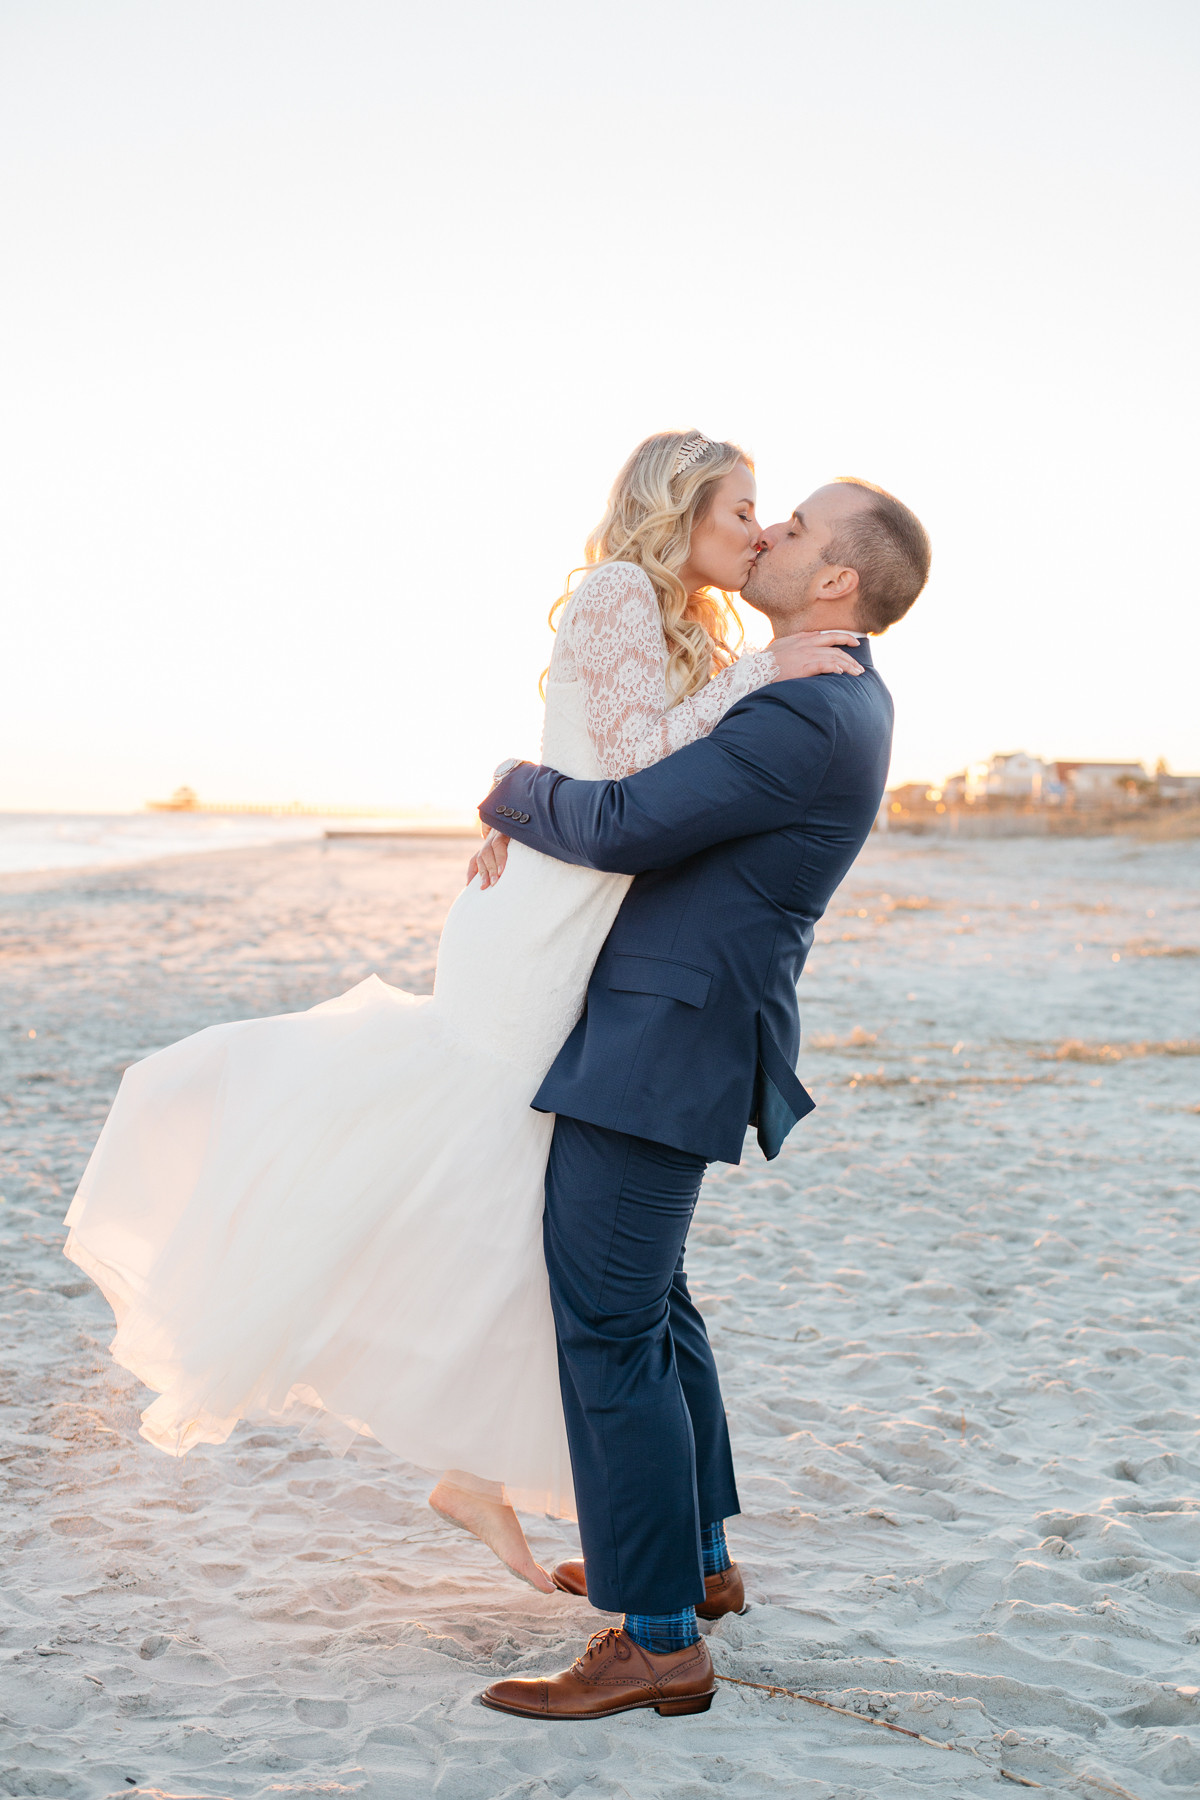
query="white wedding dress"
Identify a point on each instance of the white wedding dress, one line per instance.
(335, 1215)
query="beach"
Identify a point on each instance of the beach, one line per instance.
(957, 1322)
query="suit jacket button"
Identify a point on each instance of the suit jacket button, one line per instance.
(505, 811)
(524, 818)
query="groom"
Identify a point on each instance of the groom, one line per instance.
(690, 1033)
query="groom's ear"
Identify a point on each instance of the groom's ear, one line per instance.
(837, 581)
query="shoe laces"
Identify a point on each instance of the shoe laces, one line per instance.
(599, 1642)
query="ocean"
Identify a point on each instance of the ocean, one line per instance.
(48, 841)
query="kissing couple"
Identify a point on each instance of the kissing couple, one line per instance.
(457, 1223)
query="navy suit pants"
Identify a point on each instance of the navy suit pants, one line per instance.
(649, 1444)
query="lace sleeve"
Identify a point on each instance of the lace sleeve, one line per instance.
(619, 656)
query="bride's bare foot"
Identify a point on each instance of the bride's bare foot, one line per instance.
(494, 1524)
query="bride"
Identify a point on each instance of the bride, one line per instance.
(335, 1216)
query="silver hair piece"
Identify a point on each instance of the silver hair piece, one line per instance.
(690, 451)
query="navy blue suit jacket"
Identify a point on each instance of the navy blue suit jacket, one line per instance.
(692, 1029)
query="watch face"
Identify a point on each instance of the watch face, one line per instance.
(506, 767)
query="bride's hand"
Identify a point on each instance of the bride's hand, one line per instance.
(815, 653)
(489, 860)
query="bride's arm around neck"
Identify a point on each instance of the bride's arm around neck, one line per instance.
(611, 641)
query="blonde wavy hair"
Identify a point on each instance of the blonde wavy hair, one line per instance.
(649, 520)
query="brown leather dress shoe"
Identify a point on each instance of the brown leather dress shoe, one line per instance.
(723, 1593)
(614, 1675)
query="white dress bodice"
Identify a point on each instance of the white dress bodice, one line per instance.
(609, 708)
(529, 943)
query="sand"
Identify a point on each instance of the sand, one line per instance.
(958, 1323)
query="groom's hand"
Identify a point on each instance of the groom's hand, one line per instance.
(489, 860)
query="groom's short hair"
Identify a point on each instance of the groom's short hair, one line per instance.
(889, 547)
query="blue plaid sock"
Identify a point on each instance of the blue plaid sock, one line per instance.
(714, 1548)
(663, 1632)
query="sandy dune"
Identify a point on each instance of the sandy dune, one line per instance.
(958, 1322)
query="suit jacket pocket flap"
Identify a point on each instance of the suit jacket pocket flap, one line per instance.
(659, 975)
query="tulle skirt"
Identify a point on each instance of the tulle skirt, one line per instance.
(334, 1217)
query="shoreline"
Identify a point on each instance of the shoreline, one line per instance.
(19, 880)
(32, 842)
(913, 833)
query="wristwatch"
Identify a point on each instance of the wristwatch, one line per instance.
(506, 768)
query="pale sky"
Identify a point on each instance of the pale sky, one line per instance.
(327, 327)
